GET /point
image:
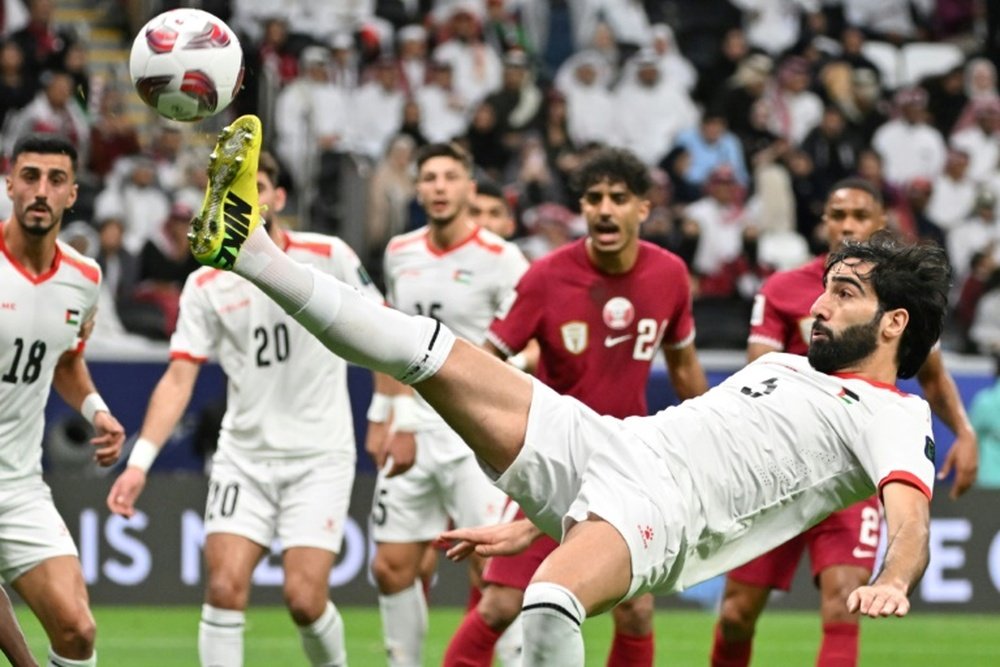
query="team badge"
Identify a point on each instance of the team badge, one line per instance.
(618, 313)
(72, 316)
(929, 448)
(574, 335)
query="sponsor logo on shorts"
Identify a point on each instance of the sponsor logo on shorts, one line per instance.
(646, 533)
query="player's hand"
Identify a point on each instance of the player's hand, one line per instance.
(502, 539)
(400, 453)
(878, 600)
(125, 491)
(964, 458)
(376, 441)
(109, 439)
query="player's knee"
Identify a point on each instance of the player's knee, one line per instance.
(392, 575)
(635, 617)
(75, 635)
(226, 592)
(305, 602)
(499, 606)
(836, 585)
(737, 621)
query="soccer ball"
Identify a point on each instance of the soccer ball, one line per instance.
(187, 64)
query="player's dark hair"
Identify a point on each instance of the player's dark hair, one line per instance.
(46, 144)
(490, 188)
(614, 165)
(451, 149)
(915, 278)
(857, 183)
(267, 164)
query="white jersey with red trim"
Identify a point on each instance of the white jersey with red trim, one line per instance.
(462, 287)
(287, 394)
(779, 445)
(40, 319)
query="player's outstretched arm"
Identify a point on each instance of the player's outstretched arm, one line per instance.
(71, 380)
(166, 406)
(943, 396)
(502, 539)
(907, 516)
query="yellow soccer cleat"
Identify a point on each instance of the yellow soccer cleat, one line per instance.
(230, 210)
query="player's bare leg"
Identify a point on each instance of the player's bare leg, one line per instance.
(840, 628)
(742, 605)
(12, 641)
(321, 628)
(55, 591)
(230, 561)
(633, 643)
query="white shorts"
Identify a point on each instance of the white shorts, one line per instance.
(575, 463)
(417, 505)
(301, 501)
(31, 529)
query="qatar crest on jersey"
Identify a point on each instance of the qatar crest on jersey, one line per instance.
(618, 313)
(575, 336)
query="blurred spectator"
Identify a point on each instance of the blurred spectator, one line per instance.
(626, 20)
(137, 200)
(722, 216)
(518, 102)
(486, 142)
(864, 108)
(677, 165)
(733, 48)
(549, 226)
(712, 145)
(310, 117)
(666, 225)
(52, 110)
(119, 267)
(412, 58)
(376, 110)
(443, 113)
(832, 147)
(794, 110)
(560, 150)
(773, 25)
(871, 169)
(276, 53)
(13, 16)
(502, 29)
(982, 270)
(74, 63)
(911, 212)
(112, 134)
(343, 64)
(981, 139)
(909, 147)
(979, 233)
(676, 68)
(985, 330)
(402, 12)
(584, 81)
(475, 65)
(389, 195)
(946, 99)
(165, 151)
(650, 112)
(953, 192)
(985, 417)
(80, 236)
(534, 177)
(737, 95)
(852, 41)
(896, 21)
(17, 89)
(981, 80)
(490, 209)
(40, 41)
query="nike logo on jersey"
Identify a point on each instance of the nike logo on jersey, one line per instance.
(863, 553)
(611, 341)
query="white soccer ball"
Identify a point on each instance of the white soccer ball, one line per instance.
(187, 64)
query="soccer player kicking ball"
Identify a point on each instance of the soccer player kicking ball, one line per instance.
(662, 502)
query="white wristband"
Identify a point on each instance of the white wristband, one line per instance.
(379, 408)
(143, 454)
(405, 413)
(92, 404)
(518, 361)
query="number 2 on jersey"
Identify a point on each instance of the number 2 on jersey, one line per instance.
(264, 340)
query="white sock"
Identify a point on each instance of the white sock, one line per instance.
(56, 660)
(552, 616)
(408, 348)
(404, 626)
(511, 644)
(323, 640)
(220, 637)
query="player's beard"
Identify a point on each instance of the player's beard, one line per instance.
(39, 229)
(839, 351)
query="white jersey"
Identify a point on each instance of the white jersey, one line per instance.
(287, 394)
(40, 319)
(462, 287)
(776, 447)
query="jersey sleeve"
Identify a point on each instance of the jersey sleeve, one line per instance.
(519, 316)
(511, 269)
(680, 331)
(348, 268)
(197, 332)
(898, 446)
(767, 326)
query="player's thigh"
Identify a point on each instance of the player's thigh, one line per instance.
(846, 538)
(31, 529)
(242, 499)
(230, 560)
(774, 569)
(313, 497)
(55, 591)
(409, 508)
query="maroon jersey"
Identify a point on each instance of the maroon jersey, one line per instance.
(598, 332)
(781, 317)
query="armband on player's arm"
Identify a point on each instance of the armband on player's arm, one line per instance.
(91, 405)
(405, 413)
(380, 408)
(143, 454)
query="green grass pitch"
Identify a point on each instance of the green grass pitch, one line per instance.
(167, 637)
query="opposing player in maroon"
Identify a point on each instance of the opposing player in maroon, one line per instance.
(842, 547)
(600, 309)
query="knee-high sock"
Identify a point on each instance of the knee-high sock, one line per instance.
(730, 654)
(56, 660)
(404, 626)
(323, 639)
(840, 645)
(408, 348)
(472, 644)
(220, 637)
(510, 646)
(551, 616)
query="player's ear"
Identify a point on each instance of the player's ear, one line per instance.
(894, 322)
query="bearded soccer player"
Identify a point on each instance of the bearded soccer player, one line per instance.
(658, 503)
(841, 548)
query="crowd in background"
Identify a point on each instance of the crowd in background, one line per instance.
(746, 111)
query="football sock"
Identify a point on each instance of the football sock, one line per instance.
(404, 626)
(56, 660)
(323, 639)
(840, 645)
(551, 617)
(631, 651)
(366, 333)
(730, 654)
(220, 637)
(511, 644)
(472, 644)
